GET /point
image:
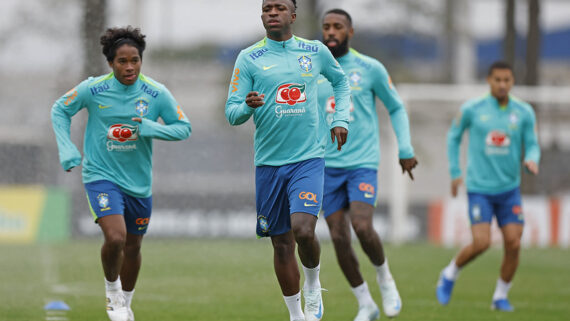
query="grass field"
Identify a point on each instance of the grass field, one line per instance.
(234, 280)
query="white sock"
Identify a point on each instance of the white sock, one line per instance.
(383, 272)
(114, 285)
(502, 290)
(312, 277)
(129, 296)
(451, 272)
(362, 295)
(294, 305)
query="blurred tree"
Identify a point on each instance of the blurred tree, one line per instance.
(94, 20)
(308, 20)
(533, 43)
(510, 33)
(450, 38)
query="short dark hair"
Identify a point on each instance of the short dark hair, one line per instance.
(499, 65)
(294, 4)
(341, 12)
(113, 38)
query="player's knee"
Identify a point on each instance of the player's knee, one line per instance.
(132, 250)
(115, 240)
(362, 228)
(303, 233)
(513, 244)
(340, 236)
(481, 245)
(284, 249)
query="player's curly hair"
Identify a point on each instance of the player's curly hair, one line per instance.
(113, 38)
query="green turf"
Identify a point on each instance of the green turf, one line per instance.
(233, 280)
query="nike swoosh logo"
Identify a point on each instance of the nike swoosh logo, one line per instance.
(320, 314)
(142, 228)
(103, 107)
(267, 68)
(310, 204)
(368, 195)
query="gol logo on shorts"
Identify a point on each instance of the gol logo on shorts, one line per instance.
(308, 196)
(142, 221)
(517, 210)
(366, 188)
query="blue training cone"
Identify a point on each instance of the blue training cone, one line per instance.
(57, 305)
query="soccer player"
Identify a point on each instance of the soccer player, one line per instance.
(275, 80)
(351, 174)
(499, 126)
(123, 108)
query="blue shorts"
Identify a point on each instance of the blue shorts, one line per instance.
(343, 186)
(106, 198)
(283, 190)
(505, 206)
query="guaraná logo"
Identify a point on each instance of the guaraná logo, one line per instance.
(291, 94)
(123, 133)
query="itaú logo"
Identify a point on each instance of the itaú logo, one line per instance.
(497, 138)
(291, 94)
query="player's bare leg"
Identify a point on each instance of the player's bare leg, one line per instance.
(130, 269)
(361, 218)
(481, 241)
(512, 234)
(285, 263)
(287, 272)
(339, 227)
(303, 226)
(112, 253)
(481, 234)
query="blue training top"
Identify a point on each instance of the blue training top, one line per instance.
(368, 79)
(287, 126)
(496, 138)
(116, 148)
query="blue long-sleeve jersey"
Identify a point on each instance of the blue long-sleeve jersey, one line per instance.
(368, 79)
(497, 135)
(116, 148)
(286, 72)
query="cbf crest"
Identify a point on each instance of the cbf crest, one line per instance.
(103, 200)
(355, 77)
(141, 107)
(305, 63)
(262, 226)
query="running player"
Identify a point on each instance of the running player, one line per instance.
(275, 80)
(123, 109)
(351, 174)
(499, 126)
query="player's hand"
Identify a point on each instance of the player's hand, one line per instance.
(455, 185)
(340, 134)
(408, 164)
(532, 167)
(254, 99)
(137, 119)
